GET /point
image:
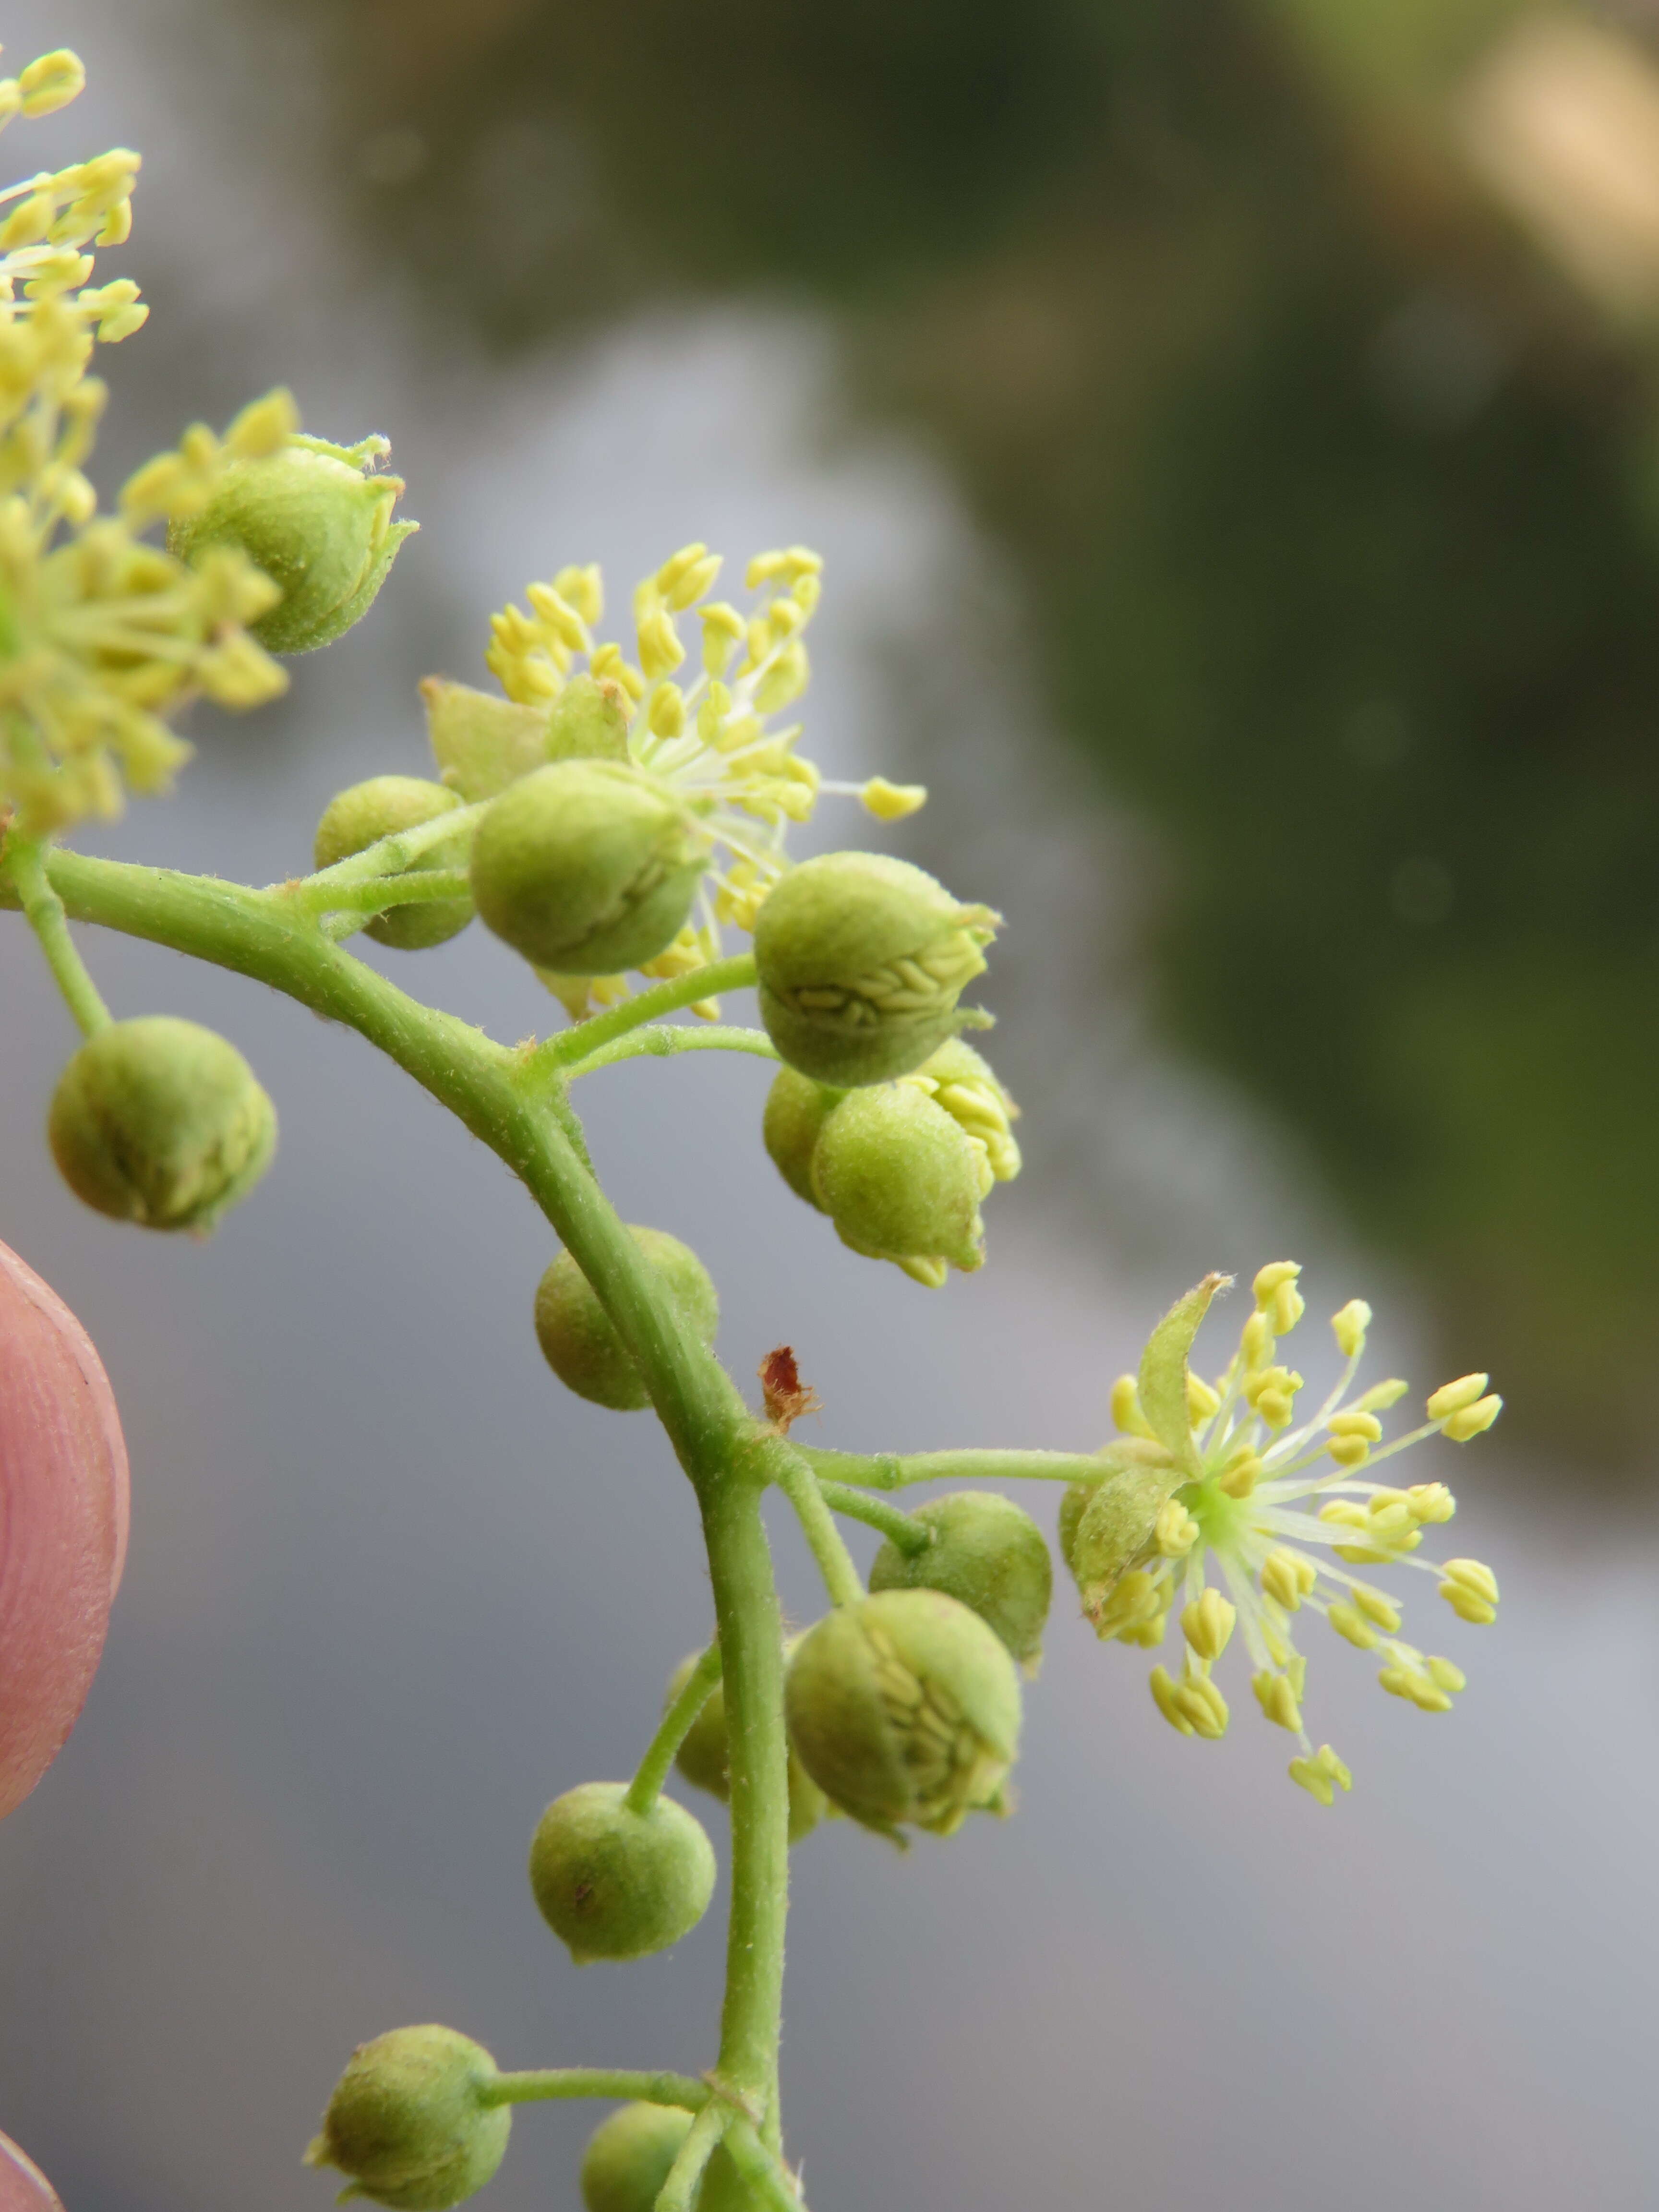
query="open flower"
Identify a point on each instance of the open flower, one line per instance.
(100, 634)
(710, 731)
(1259, 1513)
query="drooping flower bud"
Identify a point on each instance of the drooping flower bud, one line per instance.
(903, 1180)
(587, 868)
(579, 1341)
(796, 1110)
(161, 1122)
(318, 524)
(614, 1884)
(409, 2121)
(704, 1756)
(64, 1509)
(628, 2158)
(379, 808)
(905, 1707)
(987, 1553)
(861, 959)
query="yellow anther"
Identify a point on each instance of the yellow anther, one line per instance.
(1205, 1708)
(1471, 1590)
(1277, 1699)
(1381, 1396)
(1323, 1775)
(1348, 1621)
(1269, 1279)
(562, 627)
(1201, 1400)
(786, 679)
(1376, 1606)
(1473, 1420)
(1272, 1393)
(1406, 1682)
(785, 566)
(1207, 1622)
(1275, 1408)
(1431, 1501)
(1149, 1634)
(891, 802)
(1445, 1676)
(1356, 1422)
(1256, 1342)
(660, 650)
(1163, 1694)
(1452, 1397)
(1349, 1451)
(667, 711)
(1287, 1308)
(582, 588)
(1174, 1532)
(609, 667)
(1240, 1474)
(51, 83)
(263, 426)
(679, 565)
(1287, 1577)
(1350, 1325)
(1126, 1407)
(1136, 1599)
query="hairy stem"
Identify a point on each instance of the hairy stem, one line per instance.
(678, 2192)
(895, 1523)
(538, 2086)
(676, 1727)
(659, 1041)
(897, 1470)
(574, 1044)
(44, 911)
(800, 1487)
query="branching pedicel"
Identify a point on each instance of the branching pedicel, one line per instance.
(604, 813)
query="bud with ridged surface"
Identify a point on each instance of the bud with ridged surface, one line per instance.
(409, 2122)
(901, 1180)
(986, 1553)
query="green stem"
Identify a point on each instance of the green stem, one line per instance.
(895, 1470)
(676, 1727)
(260, 934)
(574, 1044)
(789, 1469)
(909, 1536)
(762, 2169)
(659, 1041)
(389, 856)
(540, 2086)
(680, 2191)
(44, 911)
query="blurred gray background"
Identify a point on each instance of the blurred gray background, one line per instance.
(390, 1589)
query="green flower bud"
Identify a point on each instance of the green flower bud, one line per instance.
(1106, 1526)
(587, 868)
(614, 1884)
(861, 959)
(379, 808)
(703, 1756)
(161, 1122)
(409, 2121)
(987, 1553)
(579, 1341)
(318, 523)
(961, 1081)
(796, 1110)
(901, 1181)
(905, 1707)
(628, 2155)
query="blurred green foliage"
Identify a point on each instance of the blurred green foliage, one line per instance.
(1322, 492)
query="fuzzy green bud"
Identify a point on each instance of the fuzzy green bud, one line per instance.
(1106, 1526)
(410, 2122)
(319, 524)
(963, 1082)
(905, 1707)
(616, 1884)
(628, 2158)
(986, 1553)
(362, 815)
(704, 1755)
(796, 1111)
(161, 1122)
(861, 959)
(579, 1339)
(587, 868)
(901, 1180)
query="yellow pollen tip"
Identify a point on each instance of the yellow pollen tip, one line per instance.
(1268, 1279)
(1241, 1473)
(1207, 1622)
(1322, 1775)
(1452, 1397)
(1349, 1325)
(891, 802)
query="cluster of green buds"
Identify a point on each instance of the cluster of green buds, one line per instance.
(1228, 1472)
(899, 1167)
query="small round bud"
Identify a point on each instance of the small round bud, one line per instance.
(409, 2121)
(161, 1122)
(578, 1339)
(587, 868)
(905, 1706)
(616, 1884)
(379, 808)
(903, 1180)
(704, 1755)
(318, 523)
(987, 1553)
(796, 1110)
(861, 959)
(628, 2158)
